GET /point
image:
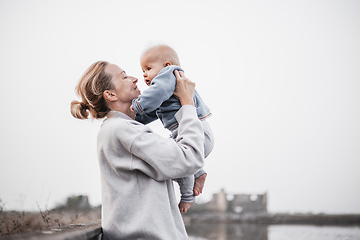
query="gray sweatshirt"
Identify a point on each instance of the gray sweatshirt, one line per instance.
(137, 165)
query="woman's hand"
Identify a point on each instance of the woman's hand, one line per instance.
(184, 89)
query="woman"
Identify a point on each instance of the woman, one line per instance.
(137, 165)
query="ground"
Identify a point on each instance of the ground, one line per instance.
(24, 222)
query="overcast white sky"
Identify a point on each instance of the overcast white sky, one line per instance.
(282, 79)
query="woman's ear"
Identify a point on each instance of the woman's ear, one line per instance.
(167, 64)
(109, 96)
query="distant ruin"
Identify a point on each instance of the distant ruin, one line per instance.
(75, 203)
(252, 209)
(237, 203)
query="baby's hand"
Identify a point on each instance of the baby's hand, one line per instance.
(132, 109)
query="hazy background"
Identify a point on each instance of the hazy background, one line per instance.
(282, 79)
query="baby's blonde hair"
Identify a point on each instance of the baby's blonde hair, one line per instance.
(163, 53)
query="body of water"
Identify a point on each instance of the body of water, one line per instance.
(223, 231)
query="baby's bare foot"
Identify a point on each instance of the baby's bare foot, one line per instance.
(184, 206)
(199, 184)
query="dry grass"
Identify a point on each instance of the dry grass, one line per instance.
(24, 222)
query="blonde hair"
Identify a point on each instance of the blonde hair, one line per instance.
(90, 88)
(163, 53)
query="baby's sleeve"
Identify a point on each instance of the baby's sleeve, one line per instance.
(161, 89)
(146, 118)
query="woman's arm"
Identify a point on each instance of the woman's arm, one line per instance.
(184, 89)
(163, 158)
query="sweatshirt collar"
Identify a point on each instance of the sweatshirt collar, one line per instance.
(116, 114)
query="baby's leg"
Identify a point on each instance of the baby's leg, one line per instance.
(186, 185)
(184, 206)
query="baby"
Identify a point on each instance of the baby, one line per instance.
(158, 102)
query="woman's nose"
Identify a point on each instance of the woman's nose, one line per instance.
(134, 79)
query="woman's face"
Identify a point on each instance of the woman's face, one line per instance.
(125, 86)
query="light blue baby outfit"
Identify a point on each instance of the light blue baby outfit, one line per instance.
(158, 102)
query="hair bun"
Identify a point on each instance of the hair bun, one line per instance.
(84, 105)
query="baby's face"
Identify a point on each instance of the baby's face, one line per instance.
(150, 67)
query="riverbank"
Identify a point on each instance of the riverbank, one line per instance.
(267, 218)
(12, 222)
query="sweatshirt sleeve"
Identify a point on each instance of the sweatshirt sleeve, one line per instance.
(161, 89)
(163, 158)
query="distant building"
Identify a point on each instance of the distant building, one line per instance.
(239, 203)
(75, 203)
